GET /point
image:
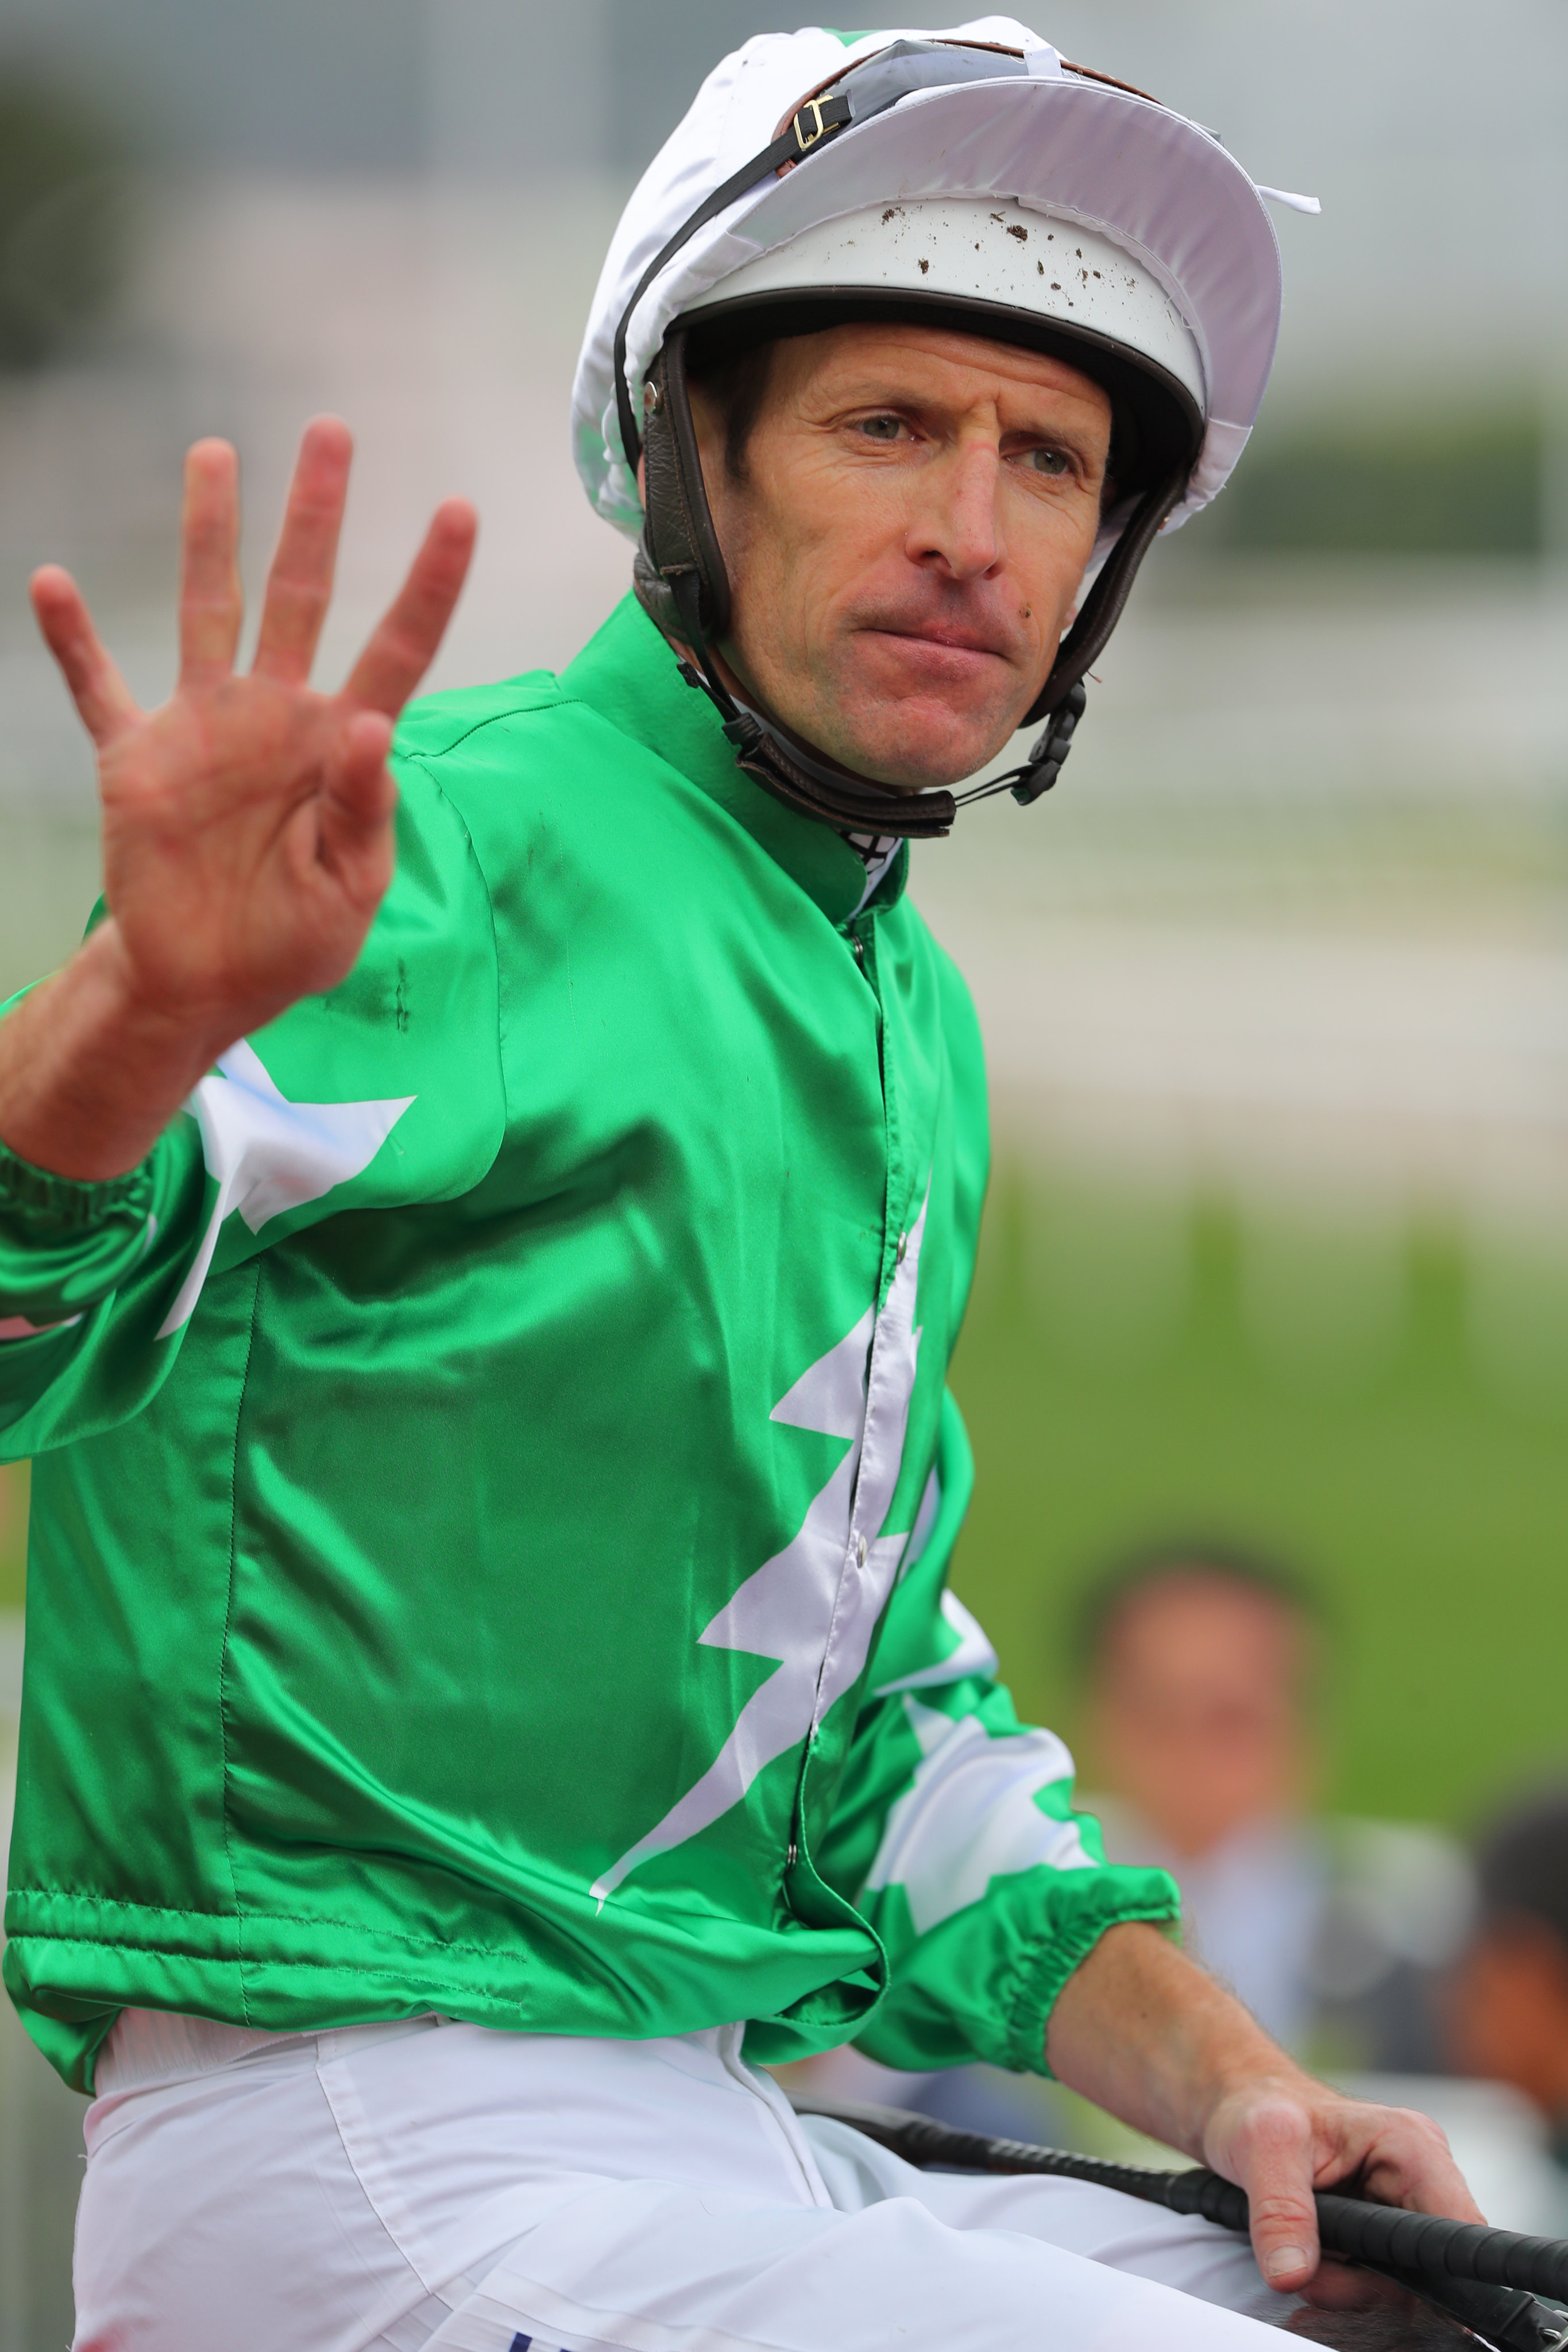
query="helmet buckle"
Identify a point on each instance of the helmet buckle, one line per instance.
(820, 124)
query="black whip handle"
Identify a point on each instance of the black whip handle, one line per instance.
(1382, 2236)
(1394, 2240)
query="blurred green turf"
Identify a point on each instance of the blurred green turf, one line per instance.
(13, 1533)
(1419, 1483)
(1446, 482)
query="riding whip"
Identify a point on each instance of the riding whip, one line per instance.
(1488, 2279)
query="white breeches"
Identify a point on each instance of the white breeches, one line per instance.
(385, 2189)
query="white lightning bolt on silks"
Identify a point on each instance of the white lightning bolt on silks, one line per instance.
(269, 1154)
(815, 1605)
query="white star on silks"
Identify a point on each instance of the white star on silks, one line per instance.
(815, 1605)
(267, 1154)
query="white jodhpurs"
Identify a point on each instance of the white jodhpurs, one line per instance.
(435, 2184)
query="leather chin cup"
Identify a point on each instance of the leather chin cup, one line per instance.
(680, 579)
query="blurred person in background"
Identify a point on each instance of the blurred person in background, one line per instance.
(1202, 1663)
(1199, 1663)
(1507, 2003)
(480, 1320)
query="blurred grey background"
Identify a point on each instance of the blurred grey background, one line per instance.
(1282, 961)
(1343, 677)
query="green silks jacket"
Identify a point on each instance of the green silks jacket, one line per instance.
(493, 1482)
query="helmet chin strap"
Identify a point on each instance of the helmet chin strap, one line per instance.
(833, 795)
(802, 780)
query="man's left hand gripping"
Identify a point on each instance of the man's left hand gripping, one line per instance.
(1143, 2031)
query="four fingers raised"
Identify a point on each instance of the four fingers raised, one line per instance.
(212, 604)
(299, 585)
(101, 696)
(403, 644)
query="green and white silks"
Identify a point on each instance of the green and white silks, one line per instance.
(493, 1485)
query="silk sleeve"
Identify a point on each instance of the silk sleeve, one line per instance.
(386, 1093)
(955, 1834)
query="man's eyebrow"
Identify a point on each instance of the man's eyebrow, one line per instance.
(887, 395)
(882, 396)
(1079, 435)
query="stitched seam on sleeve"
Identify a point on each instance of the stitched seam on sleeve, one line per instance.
(490, 719)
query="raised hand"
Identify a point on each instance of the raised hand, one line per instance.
(248, 822)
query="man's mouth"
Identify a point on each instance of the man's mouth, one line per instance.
(942, 637)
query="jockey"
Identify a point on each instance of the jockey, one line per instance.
(479, 1320)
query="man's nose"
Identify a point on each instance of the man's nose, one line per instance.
(956, 528)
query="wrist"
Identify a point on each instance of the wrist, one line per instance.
(1218, 2061)
(113, 1007)
(92, 1073)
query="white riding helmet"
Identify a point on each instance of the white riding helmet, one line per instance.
(968, 177)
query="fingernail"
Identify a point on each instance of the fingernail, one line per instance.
(1285, 2258)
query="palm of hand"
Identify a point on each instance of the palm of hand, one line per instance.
(247, 824)
(234, 881)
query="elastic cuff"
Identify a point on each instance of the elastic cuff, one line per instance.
(62, 1205)
(1030, 2014)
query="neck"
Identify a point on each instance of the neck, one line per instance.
(802, 777)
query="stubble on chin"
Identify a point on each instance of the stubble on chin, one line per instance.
(839, 707)
(901, 752)
(899, 742)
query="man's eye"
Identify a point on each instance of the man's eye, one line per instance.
(882, 428)
(1048, 461)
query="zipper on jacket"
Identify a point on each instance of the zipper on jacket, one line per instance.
(857, 946)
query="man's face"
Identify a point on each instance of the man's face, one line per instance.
(907, 542)
(1197, 1716)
